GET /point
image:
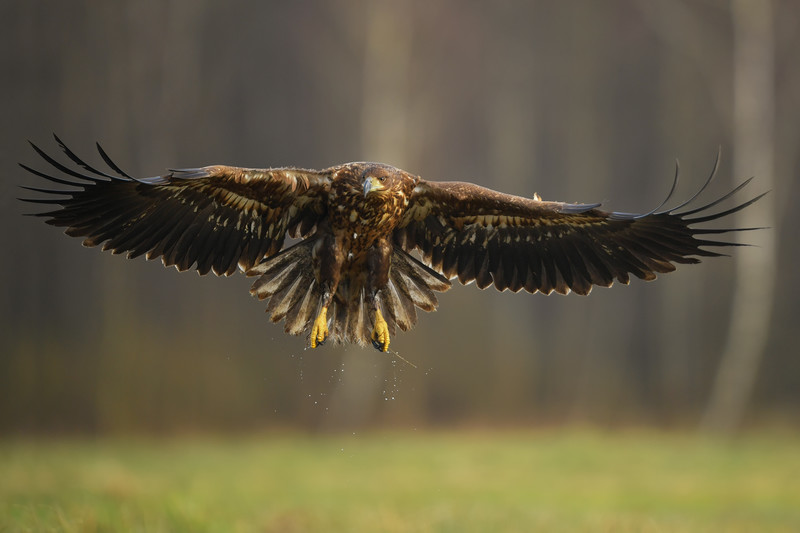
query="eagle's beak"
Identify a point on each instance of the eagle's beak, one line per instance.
(371, 184)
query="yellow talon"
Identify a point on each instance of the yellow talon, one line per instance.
(319, 332)
(380, 333)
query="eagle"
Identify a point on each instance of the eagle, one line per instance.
(368, 243)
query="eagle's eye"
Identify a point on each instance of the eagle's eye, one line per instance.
(382, 178)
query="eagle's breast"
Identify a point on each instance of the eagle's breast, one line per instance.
(358, 221)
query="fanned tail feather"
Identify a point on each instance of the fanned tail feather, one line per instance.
(411, 285)
(350, 323)
(286, 280)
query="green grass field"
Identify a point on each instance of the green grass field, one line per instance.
(455, 482)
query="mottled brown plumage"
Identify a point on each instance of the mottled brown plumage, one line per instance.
(351, 277)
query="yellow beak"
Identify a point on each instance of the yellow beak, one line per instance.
(371, 184)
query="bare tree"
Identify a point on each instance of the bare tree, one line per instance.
(384, 135)
(754, 289)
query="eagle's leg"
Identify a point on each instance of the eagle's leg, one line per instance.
(326, 260)
(379, 261)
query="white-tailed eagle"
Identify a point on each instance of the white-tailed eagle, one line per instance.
(353, 277)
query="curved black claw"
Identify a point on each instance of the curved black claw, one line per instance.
(378, 346)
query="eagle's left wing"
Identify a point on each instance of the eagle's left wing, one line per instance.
(475, 233)
(214, 218)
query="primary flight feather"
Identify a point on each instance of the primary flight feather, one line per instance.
(352, 276)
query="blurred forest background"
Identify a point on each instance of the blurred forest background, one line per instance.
(579, 101)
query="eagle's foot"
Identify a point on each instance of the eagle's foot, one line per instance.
(319, 332)
(380, 333)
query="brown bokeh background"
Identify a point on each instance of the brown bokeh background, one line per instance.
(579, 101)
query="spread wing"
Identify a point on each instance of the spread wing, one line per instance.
(478, 234)
(214, 217)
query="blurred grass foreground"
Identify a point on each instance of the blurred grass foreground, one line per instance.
(570, 480)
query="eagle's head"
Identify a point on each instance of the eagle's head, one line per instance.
(385, 180)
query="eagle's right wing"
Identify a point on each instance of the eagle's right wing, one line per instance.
(214, 217)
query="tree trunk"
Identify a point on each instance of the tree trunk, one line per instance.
(384, 136)
(754, 114)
